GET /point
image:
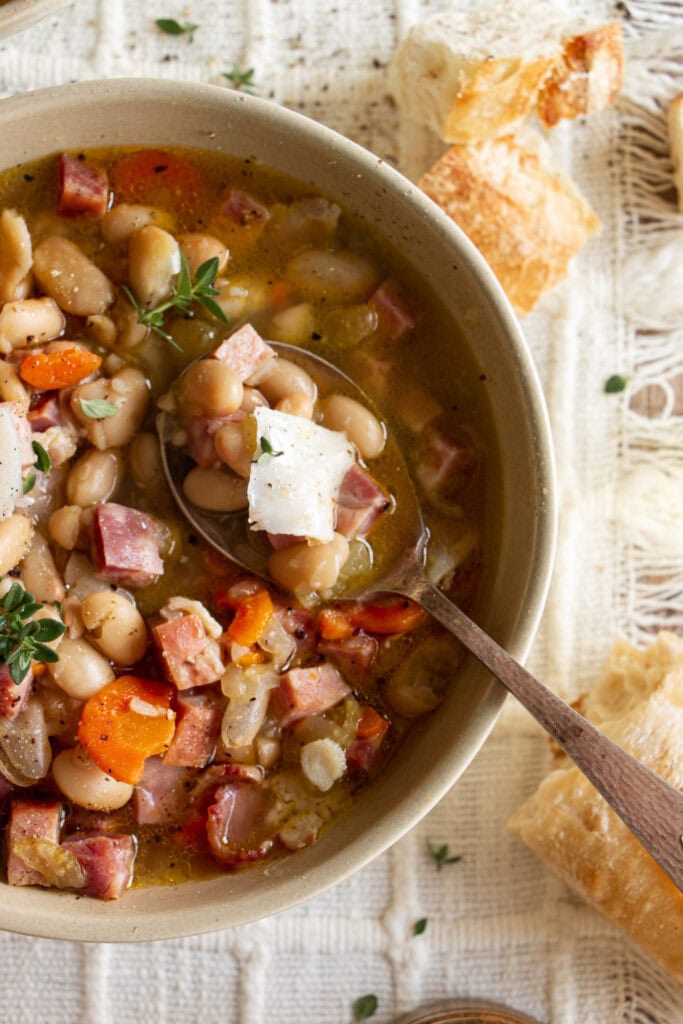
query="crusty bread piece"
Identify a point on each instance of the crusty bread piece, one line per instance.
(588, 78)
(676, 143)
(638, 702)
(526, 219)
(476, 74)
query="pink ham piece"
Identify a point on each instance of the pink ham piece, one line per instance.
(189, 657)
(126, 546)
(235, 824)
(243, 351)
(83, 189)
(298, 622)
(162, 794)
(395, 318)
(354, 655)
(107, 861)
(242, 209)
(201, 431)
(198, 724)
(283, 540)
(361, 502)
(45, 414)
(13, 697)
(29, 819)
(446, 459)
(307, 691)
(24, 433)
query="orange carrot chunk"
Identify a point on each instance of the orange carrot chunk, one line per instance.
(398, 615)
(126, 722)
(251, 619)
(371, 725)
(333, 624)
(61, 369)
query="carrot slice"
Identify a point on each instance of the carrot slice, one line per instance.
(126, 722)
(387, 618)
(333, 624)
(61, 369)
(371, 725)
(251, 619)
(151, 175)
(251, 658)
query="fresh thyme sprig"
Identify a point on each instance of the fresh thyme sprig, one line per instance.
(184, 294)
(441, 855)
(23, 639)
(241, 80)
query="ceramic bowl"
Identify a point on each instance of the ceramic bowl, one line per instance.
(440, 748)
(18, 14)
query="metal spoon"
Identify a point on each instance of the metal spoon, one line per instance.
(652, 809)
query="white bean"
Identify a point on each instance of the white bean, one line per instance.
(80, 779)
(131, 332)
(210, 388)
(29, 322)
(119, 223)
(39, 572)
(294, 324)
(153, 264)
(339, 412)
(16, 256)
(115, 626)
(93, 478)
(128, 390)
(252, 399)
(102, 329)
(296, 404)
(278, 378)
(81, 670)
(11, 386)
(420, 682)
(15, 538)
(66, 274)
(303, 568)
(234, 448)
(215, 490)
(336, 276)
(197, 248)
(145, 461)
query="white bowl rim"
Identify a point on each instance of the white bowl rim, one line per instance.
(20, 14)
(52, 921)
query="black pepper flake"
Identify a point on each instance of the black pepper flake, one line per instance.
(193, 540)
(104, 736)
(300, 633)
(29, 177)
(482, 376)
(160, 168)
(315, 336)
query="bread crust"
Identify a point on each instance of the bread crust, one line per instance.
(525, 219)
(587, 78)
(638, 702)
(675, 122)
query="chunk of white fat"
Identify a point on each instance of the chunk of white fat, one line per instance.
(295, 490)
(10, 464)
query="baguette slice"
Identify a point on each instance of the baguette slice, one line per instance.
(638, 702)
(526, 219)
(676, 143)
(587, 79)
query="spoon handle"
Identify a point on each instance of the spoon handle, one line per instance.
(650, 807)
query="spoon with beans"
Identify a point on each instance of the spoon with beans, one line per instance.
(650, 808)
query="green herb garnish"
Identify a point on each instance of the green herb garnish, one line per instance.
(22, 641)
(364, 1008)
(43, 461)
(441, 855)
(98, 408)
(174, 28)
(184, 294)
(267, 452)
(615, 384)
(28, 483)
(420, 926)
(241, 80)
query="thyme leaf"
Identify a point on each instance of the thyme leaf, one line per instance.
(365, 1007)
(22, 638)
(441, 855)
(98, 408)
(43, 461)
(174, 28)
(241, 79)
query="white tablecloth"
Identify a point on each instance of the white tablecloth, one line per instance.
(499, 924)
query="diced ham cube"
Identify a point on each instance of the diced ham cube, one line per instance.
(162, 793)
(198, 724)
(13, 697)
(126, 546)
(45, 413)
(40, 819)
(189, 657)
(395, 317)
(24, 433)
(307, 691)
(446, 458)
(354, 655)
(362, 754)
(242, 209)
(235, 824)
(107, 861)
(361, 502)
(243, 351)
(201, 431)
(83, 189)
(299, 623)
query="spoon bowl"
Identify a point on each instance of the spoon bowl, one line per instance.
(650, 808)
